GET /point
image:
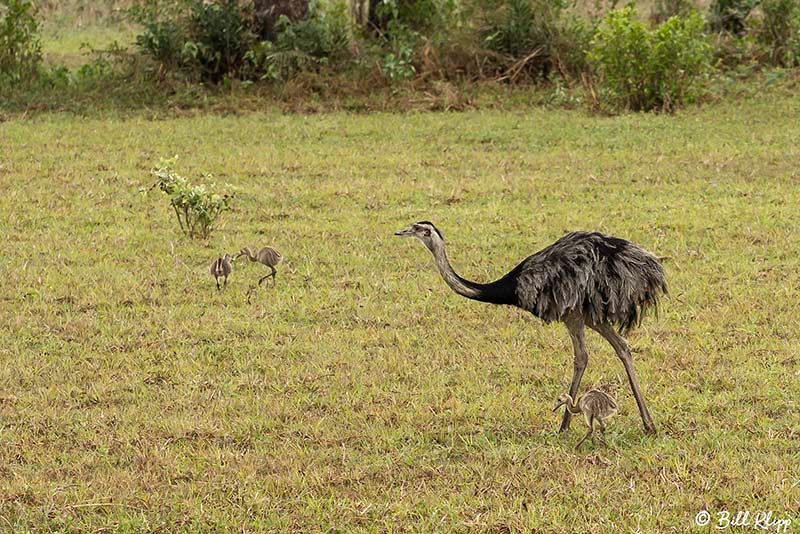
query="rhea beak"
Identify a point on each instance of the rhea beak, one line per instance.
(407, 232)
(559, 405)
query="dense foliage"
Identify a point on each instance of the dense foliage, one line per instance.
(209, 40)
(644, 69)
(615, 57)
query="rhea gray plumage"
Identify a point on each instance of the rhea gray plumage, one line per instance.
(583, 279)
(221, 268)
(596, 406)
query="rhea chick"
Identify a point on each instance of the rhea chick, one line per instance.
(221, 268)
(267, 256)
(596, 406)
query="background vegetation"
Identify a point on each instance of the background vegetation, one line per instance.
(426, 53)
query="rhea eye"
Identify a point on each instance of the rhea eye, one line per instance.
(426, 232)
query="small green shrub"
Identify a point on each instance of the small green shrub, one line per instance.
(196, 207)
(781, 31)
(643, 69)
(20, 49)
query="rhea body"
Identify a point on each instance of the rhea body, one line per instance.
(267, 256)
(596, 406)
(584, 279)
(222, 268)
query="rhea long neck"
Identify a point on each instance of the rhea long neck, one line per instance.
(572, 406)
(494, 292)
(247, 252)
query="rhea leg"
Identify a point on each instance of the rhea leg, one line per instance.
(217, 280)
(272, 274)
(589, 433)
(602, 427)
(624, 354)
(576, 331)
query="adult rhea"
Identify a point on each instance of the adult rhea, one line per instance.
(583, 279)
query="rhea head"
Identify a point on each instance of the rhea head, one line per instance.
(424, 231)
(563, 399)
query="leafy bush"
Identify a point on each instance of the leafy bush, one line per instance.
(209, 40)
(20, 49)
(730, 15)
(781, 30)
(650, 70)
(218, 40)
(196, 206)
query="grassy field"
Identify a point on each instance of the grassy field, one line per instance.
(361, 393)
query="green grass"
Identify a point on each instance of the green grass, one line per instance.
(361, 393)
